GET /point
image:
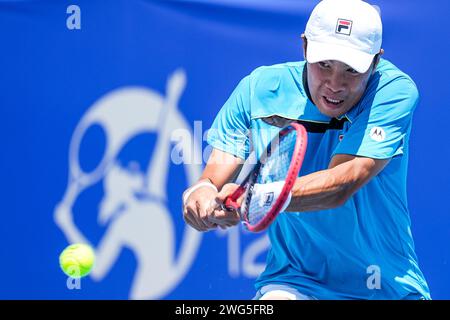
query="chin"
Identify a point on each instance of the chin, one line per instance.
(332, 113)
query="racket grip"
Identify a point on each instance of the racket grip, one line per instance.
(229, 204)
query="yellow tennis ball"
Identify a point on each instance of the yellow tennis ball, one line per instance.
(77, 260)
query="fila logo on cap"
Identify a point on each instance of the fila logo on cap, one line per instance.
(344, 26)
(377, 134)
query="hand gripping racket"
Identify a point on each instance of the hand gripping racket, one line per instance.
(280, 163)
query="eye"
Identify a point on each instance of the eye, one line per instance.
(352, 71)
(324, 65)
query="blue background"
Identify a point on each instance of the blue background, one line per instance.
(50, 76)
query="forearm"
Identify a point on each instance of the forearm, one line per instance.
(324, 189)
(221, 168)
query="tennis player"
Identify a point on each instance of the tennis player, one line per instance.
(346, 233)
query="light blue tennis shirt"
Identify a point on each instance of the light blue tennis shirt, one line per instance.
(363, 249)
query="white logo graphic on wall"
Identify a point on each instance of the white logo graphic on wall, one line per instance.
(377, 134)
(142, 223)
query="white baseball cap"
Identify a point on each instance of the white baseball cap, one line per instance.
(349, 31)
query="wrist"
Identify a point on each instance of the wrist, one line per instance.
(199, 184)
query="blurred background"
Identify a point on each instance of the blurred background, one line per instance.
(92, 94)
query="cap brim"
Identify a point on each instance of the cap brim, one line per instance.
(319, 51)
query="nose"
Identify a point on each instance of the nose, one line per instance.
(336, 82)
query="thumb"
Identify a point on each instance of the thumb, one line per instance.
(227, 190)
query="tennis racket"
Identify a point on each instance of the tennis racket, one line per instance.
(279, 163)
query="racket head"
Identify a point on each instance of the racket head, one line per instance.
(281, 161)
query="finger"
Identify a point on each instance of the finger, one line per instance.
(186, 216)
(188, 212)
(226, 191)
(222, 217)
(200, 226)
(201, 217)
(213, 218)
(192, 223)
(221, 196)
(213, 205)
(203, 211)
(226, 215)
(189, 220)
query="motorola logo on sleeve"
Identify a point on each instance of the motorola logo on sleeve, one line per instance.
(377, 134)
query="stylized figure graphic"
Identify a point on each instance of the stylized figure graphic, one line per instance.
(134, 204)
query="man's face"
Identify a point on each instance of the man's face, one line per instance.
(335, 87)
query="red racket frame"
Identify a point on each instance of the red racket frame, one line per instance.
(292, 174)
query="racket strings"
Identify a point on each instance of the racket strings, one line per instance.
(273, 169)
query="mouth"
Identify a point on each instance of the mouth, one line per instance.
(332, 103)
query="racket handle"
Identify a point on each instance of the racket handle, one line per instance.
(229, 204)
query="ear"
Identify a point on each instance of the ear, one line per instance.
(377, 60)
(304, 45)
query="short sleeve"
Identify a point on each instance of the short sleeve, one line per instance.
(381, 130)
(230, 129)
